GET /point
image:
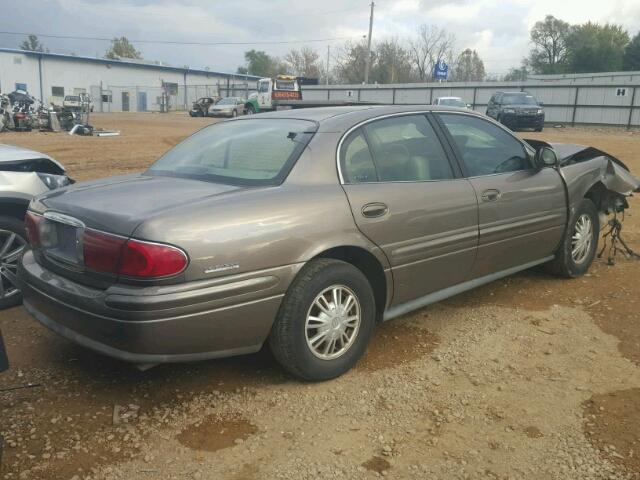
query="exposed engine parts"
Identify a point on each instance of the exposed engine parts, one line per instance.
(613, 241)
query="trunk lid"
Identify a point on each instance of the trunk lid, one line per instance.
(119, 204)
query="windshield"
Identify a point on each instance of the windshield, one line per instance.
(242, 152)
(519, 99)
(227, 101)
(452, 102)
(285, 85)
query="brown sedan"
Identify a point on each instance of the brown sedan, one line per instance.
(303, 228)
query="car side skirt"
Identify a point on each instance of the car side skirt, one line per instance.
(440, 295)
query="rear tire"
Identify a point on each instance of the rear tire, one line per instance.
(578, 248)
(316, 335)
(251, 110)
(539, 129)
(12, 241)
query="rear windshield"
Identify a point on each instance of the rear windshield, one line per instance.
(241, 152)
(452, 102)
(518, 99)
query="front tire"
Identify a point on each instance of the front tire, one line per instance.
(325, 321)
(12, 242)
(578, 249)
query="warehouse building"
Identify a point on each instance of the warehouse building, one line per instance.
(114, 85)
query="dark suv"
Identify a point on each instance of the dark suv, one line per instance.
(516, 110)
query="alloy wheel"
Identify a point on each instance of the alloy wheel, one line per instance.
(333, 322)
(582, 239)
(11, 246)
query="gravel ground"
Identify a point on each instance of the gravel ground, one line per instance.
(529, 377)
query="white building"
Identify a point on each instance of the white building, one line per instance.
(114, 85)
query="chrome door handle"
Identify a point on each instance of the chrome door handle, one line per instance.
(490, 195)
(375, 209)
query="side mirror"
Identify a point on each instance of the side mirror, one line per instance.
(540, 104)
(546, 157)
(468, 105)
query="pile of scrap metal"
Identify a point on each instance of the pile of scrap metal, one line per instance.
(18, 112)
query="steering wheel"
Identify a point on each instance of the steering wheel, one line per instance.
(509, 165)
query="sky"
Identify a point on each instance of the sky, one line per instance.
(498, 30)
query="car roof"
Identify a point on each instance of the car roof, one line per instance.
(449, 98)
(13, 153)
(339, 118)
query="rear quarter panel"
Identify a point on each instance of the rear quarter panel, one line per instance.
(263, 228)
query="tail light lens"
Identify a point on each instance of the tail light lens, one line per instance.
(132, 258)
(102, 251)
(145, 259)
(31, 222)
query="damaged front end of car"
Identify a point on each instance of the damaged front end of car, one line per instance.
(605, 180)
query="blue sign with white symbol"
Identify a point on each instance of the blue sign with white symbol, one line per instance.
(441, 70)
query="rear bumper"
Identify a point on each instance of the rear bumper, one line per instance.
(174, 323)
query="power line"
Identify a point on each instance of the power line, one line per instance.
(176, 42)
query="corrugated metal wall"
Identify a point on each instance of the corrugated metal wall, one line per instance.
(607, 100)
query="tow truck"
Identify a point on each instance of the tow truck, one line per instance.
(285, 92)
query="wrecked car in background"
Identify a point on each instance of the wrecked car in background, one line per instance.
(23, 174)
(345, 216)
(200, 108)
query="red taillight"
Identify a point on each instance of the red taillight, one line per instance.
(102, 251)
(31, 222)
(149, 260)
(132, 258)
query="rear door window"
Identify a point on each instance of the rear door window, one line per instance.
(407, 149)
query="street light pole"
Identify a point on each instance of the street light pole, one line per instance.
(367, 64)
(328, 53)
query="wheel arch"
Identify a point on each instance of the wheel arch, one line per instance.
(14, 207)
(253, 104)
(605, 200)
(370, 266)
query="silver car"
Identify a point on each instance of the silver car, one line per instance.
(227, 107)
(303, 228)
(23, 174)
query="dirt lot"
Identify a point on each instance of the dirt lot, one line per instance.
(530, 377)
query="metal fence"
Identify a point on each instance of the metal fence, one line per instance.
(606, 101)
(141, 98)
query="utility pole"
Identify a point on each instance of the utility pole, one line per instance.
(328, 53)
(367, 60)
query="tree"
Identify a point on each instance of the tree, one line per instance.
(32, 43)
(304, 62)
(631, 59)
(260, 64)
(596, 48)
(468, 67)
(121, 48)
(391, 63)
(516, 74)
(433, 43)
(349, 62)
(549, 39)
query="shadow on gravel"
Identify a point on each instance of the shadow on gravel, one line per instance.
(612, 425)
(395, 343)
(213, 433)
